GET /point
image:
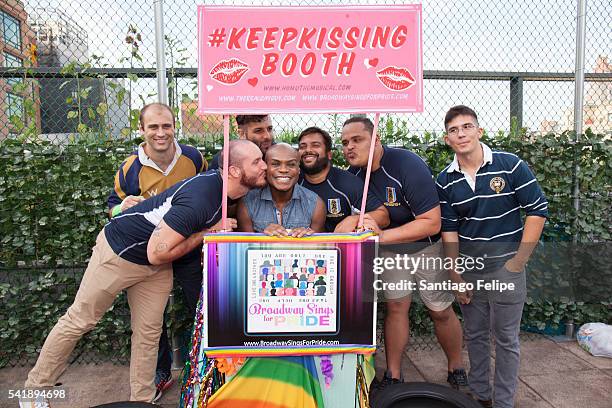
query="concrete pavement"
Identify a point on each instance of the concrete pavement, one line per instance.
(552, 375)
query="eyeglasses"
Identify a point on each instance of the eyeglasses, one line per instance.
(466, 127)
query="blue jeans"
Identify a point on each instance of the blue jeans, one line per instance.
(500, 313)
(188, 274)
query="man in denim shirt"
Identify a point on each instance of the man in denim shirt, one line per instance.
(283, 208)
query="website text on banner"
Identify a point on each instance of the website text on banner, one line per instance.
(310, 59)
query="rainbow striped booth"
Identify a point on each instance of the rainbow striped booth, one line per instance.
(283, 322)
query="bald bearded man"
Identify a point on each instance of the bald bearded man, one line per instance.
(134, 252)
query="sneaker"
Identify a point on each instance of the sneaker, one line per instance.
(37, 403)
(163, 381)
(457, 378)
(378, 386)
(484, 403)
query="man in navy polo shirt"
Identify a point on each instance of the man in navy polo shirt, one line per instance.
(403, 182)
(482, 193)
(134, 251)
(340, 190)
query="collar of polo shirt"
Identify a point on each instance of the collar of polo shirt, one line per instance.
(487, 159)
(147, 161)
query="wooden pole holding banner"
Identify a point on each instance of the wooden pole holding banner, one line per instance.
(225, 173)
(368, 171)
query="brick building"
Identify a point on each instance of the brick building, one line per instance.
(17, 43)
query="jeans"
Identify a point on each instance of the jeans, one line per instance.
(188, 273)
(498, 312)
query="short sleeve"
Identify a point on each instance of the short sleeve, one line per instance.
(418, 186)
(450, 219)
(528, 192)
(189, 212)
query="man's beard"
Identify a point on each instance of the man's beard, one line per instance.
(319, 165)
(252, 181)
(261, 148)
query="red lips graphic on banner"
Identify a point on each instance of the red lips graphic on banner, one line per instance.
(395, 78)
(320, 59)
(229, 71)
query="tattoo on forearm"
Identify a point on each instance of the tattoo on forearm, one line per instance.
(161, 247)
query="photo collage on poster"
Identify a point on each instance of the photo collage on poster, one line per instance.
(292, 291)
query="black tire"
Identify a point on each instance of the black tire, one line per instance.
(421, 395)
(126, 404)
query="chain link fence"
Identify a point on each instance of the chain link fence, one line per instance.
(73, 71)
(94, 62)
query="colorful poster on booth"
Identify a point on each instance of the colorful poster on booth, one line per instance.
(350, 59)
(311, 296)
(292, 291)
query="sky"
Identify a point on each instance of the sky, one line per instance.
(459, 35)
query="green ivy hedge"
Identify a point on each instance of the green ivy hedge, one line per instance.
(53, 203)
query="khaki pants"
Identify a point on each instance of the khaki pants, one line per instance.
(107, 274)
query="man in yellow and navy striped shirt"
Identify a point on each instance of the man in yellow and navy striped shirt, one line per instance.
(159, 163)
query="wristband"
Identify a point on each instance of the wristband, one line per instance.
(116, 210)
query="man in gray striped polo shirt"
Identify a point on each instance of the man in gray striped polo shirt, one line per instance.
(482, 195)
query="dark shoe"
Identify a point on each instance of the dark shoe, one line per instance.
(457, 378)
(485, 403)
(378, 386)
(163, 381)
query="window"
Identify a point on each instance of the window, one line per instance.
(11, 33)
(14, 106)
(11, 61)
(41, 33)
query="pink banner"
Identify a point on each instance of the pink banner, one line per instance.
(350, 59)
